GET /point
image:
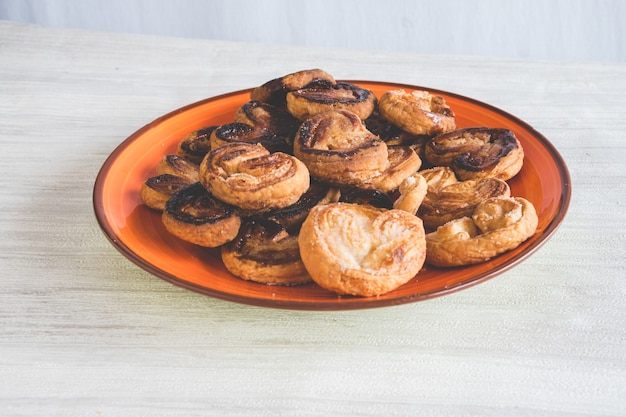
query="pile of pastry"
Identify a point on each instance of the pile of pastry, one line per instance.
(320, 180)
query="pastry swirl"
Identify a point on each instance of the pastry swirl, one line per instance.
(177, 165)
(477, 152)
(361, 250)
(275, 90)
(250, 177)
(257, 122)
(265, 252)
(497, 225)
(155, 191)
(307, 102)
(458, 199)
(417, 112)
(338, 149)
(194, 215)
(402, 162)
(195, 145)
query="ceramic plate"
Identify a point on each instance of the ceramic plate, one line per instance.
(137, 232)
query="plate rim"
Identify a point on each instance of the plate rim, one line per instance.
(332, 305)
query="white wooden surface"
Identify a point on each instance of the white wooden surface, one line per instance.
(86, 333)
(570, 30)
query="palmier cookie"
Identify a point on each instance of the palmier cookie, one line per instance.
(274, 91)
(417, 112)
(361, 250)
(250, 177)
(402, 162)
(194, 215)
(477, 152)
(307, 102)
(257, 122)
(265, 252)
(338, 149)
(458, 199)
(497, 225)
(157, 190)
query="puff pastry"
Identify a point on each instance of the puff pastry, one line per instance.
(402, 162)
(250, 177)
(195, 145)
(412, 192)
(417, 112)
(477, 152)
(361, 250)
(194, 215)
(177, 165)
(265, 252)
(257, 122)
(338, 149)
(155, 191)
(458, 199)
(497, 225)
(275, 90)
(307, 102)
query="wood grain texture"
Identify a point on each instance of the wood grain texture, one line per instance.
(86, 333)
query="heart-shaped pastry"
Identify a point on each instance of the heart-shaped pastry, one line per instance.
(360, 249)
(338, 149)
(477, 152)
(250, 177)
(257, 122)
(497, 225)
(275, 90)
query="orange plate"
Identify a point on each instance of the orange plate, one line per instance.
(137, 232)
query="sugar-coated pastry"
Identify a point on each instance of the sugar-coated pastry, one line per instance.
(497, 225)
(250, 177)
(309, 101)
(417, 112)
(195, 145)
(459, 199)
(194, 215)
(338, 149)
(155, 191)
(257, 122)
(265, 252)
(477, 152)
(275, 90)
(361, 250)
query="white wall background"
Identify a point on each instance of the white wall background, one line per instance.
(564, 30)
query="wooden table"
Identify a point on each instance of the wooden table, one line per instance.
(85, 332)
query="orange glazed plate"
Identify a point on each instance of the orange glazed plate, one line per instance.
(137, 232)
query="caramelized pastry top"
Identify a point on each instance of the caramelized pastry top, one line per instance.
(337, 148)
(417, 112)
(497, 225)
(275, 90)
(307, 102)
(477, 152)
(250, 177)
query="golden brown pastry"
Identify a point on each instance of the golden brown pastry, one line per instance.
(155, 191)
(459, 199)
(412, 192)
(274, 91)
(393, 135)
(417, 112)
(402, 162)
(257, 122)
(265, 252)
(177, 165)
(361, 250)
(497, 225)
(338, 149)
(250, 177)
(307, 102)
(477, 152)
(194, 215)
(196, 144)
